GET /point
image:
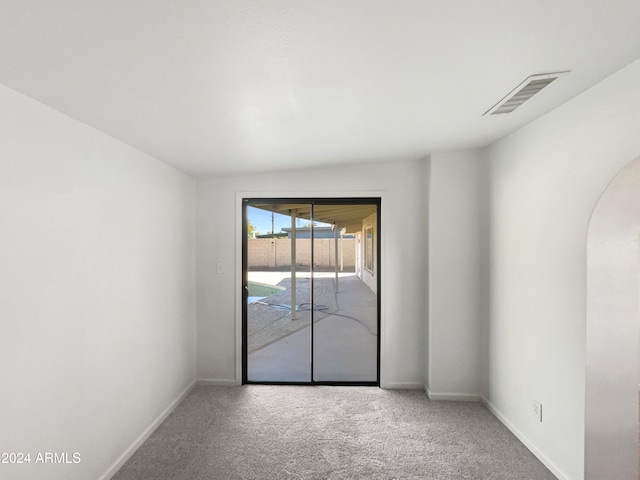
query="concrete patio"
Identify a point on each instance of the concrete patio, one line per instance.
(345, 331)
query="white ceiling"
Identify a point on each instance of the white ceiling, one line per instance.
(227, 87)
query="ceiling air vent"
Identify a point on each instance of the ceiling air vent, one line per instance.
(523, 92)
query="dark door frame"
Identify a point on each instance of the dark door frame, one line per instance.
(246, 201)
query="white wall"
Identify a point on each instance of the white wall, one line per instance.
(457, 254)
(97, 321)
(545, 182)
(403, 190)
(613, 326)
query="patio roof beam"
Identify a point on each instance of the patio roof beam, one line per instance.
(349, 216)
(293, 263)
(335, 241)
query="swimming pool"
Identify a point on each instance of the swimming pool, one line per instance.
(258, 291)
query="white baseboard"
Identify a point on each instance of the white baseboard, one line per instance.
(454, 397)
(122, 459)
(527, 443)
(401, 386)
(217, 382)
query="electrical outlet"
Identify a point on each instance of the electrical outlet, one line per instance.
(537, 410)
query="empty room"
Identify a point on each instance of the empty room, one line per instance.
(319, 239)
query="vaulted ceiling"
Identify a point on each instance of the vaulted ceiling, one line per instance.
(238, 86)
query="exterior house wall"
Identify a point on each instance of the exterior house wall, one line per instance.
(369, 277)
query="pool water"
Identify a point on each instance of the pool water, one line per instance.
(258, 291)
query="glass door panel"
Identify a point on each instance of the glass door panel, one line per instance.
(345, 327)
(277, 291)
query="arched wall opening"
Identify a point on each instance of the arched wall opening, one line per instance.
(613, 330)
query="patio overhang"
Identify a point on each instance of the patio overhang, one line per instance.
(349, 217)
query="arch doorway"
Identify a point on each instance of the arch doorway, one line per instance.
(613, 330)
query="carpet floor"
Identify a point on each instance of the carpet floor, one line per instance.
(299, 432)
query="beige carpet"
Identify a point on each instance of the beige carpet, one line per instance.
(278, 432)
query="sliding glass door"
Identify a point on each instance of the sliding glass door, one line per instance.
(311, 291)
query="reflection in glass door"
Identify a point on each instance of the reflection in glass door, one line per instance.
(311, 289)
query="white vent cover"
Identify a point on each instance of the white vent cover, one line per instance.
(523, 92)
